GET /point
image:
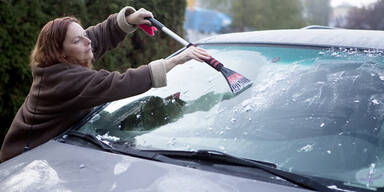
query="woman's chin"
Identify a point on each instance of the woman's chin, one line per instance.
(90, 58)
(90, 62)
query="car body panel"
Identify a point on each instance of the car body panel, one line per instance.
(56, 166)
(306, 37)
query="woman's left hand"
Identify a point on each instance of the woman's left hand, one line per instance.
(138, 17)
(191, 52)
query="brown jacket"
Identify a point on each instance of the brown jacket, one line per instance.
(62, 94)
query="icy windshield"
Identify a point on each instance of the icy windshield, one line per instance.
(313, 111)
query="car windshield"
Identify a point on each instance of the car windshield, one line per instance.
(315, 111)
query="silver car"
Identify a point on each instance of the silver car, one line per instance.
(312, 120)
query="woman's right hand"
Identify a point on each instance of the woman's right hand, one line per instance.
(138, 17)
(191, 52)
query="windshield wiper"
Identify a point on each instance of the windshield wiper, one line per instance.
(206, 155)
(109, 148)
(211, 155)
(220, 157)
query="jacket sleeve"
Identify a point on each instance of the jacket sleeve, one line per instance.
(86, 88)
(108, 34)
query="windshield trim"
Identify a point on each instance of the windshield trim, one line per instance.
(286, 45)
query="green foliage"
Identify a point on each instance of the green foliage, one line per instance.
(140, 48)
(260, 14)
(18, 31)
(22, 20)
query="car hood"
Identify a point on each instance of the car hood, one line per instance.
(56, 166)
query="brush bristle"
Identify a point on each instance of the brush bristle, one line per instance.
(240, 85)
(237, 82)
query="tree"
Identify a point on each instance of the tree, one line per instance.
(22, 20)
(371, 17)
(317, 12)
(219, 5)
(20, 25)
(260, 14)
(139, 48)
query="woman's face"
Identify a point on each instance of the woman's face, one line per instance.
(76, 45)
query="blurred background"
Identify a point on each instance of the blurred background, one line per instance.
(248, 15)
(22, 20)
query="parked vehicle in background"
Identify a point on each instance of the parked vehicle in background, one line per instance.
(312, 120)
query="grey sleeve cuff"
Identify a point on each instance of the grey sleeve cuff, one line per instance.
(122, 21)
(158, 73)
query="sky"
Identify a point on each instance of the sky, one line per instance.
(357, 3)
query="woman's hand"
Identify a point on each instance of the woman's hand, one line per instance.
(138, 17)
(192, 52)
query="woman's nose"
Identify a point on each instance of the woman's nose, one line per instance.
(87, 41)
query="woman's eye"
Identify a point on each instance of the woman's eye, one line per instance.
(76, 41)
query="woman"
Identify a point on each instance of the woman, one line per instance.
(65, 88)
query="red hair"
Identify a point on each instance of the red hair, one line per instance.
(49, 46)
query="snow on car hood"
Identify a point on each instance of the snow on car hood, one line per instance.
(56, 166)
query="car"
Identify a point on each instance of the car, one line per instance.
(312, 120)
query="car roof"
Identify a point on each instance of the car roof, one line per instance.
(307, 37)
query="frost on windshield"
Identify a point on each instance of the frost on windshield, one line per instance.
(328, 112)
(309, 110)
(353, 53)
(327, 98)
